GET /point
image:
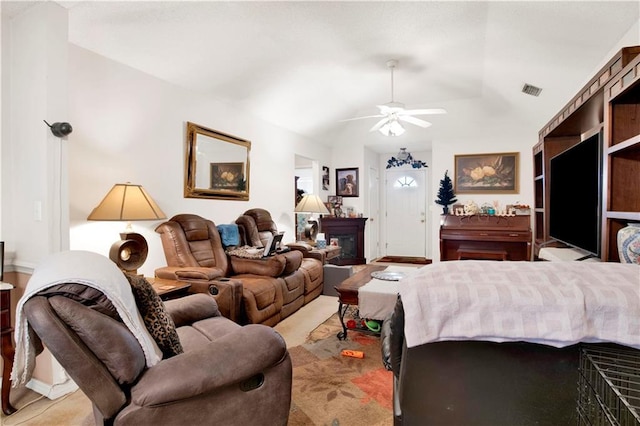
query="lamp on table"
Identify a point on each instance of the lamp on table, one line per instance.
(128, 202)
(311, 204)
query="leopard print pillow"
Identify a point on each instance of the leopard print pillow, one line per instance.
(156, 318)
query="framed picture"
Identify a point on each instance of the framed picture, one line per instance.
(347, 182)
(487, 173)
(325, 178)
(228, 176)
(334, 199)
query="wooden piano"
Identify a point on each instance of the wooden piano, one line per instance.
(485, 237)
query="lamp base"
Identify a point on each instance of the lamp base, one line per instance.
(311, 229)
(130, 252)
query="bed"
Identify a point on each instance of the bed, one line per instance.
(483, 342)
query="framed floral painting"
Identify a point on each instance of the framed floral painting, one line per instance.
(487, 173)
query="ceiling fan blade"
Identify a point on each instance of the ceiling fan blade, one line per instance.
(423, 111)
(360, 118)
(379, 124)
(413, 120)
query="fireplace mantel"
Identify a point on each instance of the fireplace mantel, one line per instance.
(350, 234)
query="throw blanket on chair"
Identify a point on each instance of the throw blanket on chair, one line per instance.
(229, 234)
(93, 270)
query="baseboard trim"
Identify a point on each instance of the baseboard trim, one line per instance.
(52, 391)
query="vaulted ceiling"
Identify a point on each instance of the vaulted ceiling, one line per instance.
(307, 65)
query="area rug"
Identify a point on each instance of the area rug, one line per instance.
(404, 259)
(331, 389)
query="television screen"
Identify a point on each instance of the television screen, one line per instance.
(575, 195)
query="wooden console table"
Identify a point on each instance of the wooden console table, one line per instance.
(485, 237)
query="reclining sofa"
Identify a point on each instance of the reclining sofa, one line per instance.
(257, 291)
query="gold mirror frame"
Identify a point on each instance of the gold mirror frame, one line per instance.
(217, 165)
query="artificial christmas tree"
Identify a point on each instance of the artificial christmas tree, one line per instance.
(446, 196)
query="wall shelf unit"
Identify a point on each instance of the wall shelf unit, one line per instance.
(622, 156)
(607, 104)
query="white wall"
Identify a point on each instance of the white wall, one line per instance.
(34, 188)
(129, 126)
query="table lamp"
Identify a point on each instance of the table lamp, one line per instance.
(128, 202)
(311, 204)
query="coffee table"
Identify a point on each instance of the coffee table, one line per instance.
(348, 294)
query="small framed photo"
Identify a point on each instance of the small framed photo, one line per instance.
(347, 182)
(334, 200)
(325, 178)
(487, 173)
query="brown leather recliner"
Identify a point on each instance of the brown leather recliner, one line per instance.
(258, 291)
(227, 374)
(256, 226)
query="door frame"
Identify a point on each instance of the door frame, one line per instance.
(382, 224)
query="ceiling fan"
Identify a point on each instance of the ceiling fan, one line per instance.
(393, 113)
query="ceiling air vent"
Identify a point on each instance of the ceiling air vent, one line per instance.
(531, 90)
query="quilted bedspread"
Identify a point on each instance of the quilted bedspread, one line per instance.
(552, 303)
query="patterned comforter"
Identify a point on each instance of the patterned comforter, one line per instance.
(552, 303)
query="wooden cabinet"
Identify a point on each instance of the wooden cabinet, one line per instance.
(350, 235)
(621, 183)
(485, 237)
(7, 345)
(608, 103)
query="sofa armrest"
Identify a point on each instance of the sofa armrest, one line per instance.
(225, 291)
(189, 274)
(189, 309)
(230, 359)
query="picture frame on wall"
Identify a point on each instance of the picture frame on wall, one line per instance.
(325, 178)
(347, 182)
(487, 173)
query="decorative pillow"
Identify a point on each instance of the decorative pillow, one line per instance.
(156, 318)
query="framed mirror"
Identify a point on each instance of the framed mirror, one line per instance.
(217, 165)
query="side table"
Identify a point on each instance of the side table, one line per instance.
(8, 349)
(168, 289)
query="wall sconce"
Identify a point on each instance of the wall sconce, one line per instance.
(127, 202)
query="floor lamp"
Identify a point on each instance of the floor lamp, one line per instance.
(311, 204)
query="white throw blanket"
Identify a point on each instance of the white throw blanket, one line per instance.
(552, 303)
(377, 298)
(93, 270)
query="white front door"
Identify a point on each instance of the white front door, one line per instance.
(406, 217)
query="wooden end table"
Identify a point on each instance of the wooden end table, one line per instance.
(169, 289)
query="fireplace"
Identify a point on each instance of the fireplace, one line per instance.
(350, 234)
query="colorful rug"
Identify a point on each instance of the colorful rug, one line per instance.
(331, 389)
(404, 259)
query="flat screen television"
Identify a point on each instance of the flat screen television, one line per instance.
(575, 195)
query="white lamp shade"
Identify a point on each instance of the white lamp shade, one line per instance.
(311, 204)
(127, 202)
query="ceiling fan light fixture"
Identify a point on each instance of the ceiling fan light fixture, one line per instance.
(392, 128)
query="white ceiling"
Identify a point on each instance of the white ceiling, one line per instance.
(307, 65)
